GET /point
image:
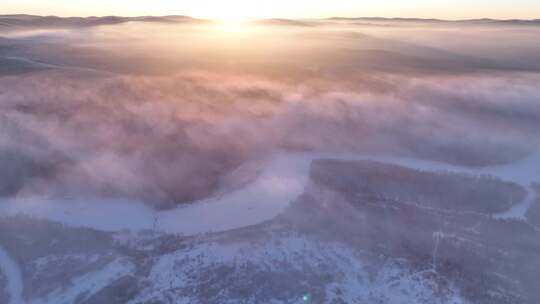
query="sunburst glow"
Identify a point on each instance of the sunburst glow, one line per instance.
(232, 26)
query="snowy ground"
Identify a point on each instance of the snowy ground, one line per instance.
(394, 283)
(281, 181)
(13, 273)
(88, 284)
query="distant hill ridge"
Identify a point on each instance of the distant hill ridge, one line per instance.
(24, 20)
(482, 20)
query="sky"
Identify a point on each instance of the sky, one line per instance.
(249, 9)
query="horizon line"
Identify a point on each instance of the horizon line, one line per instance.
(395, 18)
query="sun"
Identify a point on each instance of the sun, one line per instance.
(234, 18)
(224, 10)
(234, 26)
(233, 12)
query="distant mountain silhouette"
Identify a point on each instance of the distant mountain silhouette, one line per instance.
(483, 21)
(22, 20)
(54, 21)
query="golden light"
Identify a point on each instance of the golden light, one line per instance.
(234, 27)
(233, 13)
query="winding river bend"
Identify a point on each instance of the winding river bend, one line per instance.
(280, 181)
(11, 270)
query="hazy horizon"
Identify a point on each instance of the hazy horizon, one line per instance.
(284, 18)
(242, 9)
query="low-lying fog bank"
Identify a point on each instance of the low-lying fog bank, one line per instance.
(163, 112)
